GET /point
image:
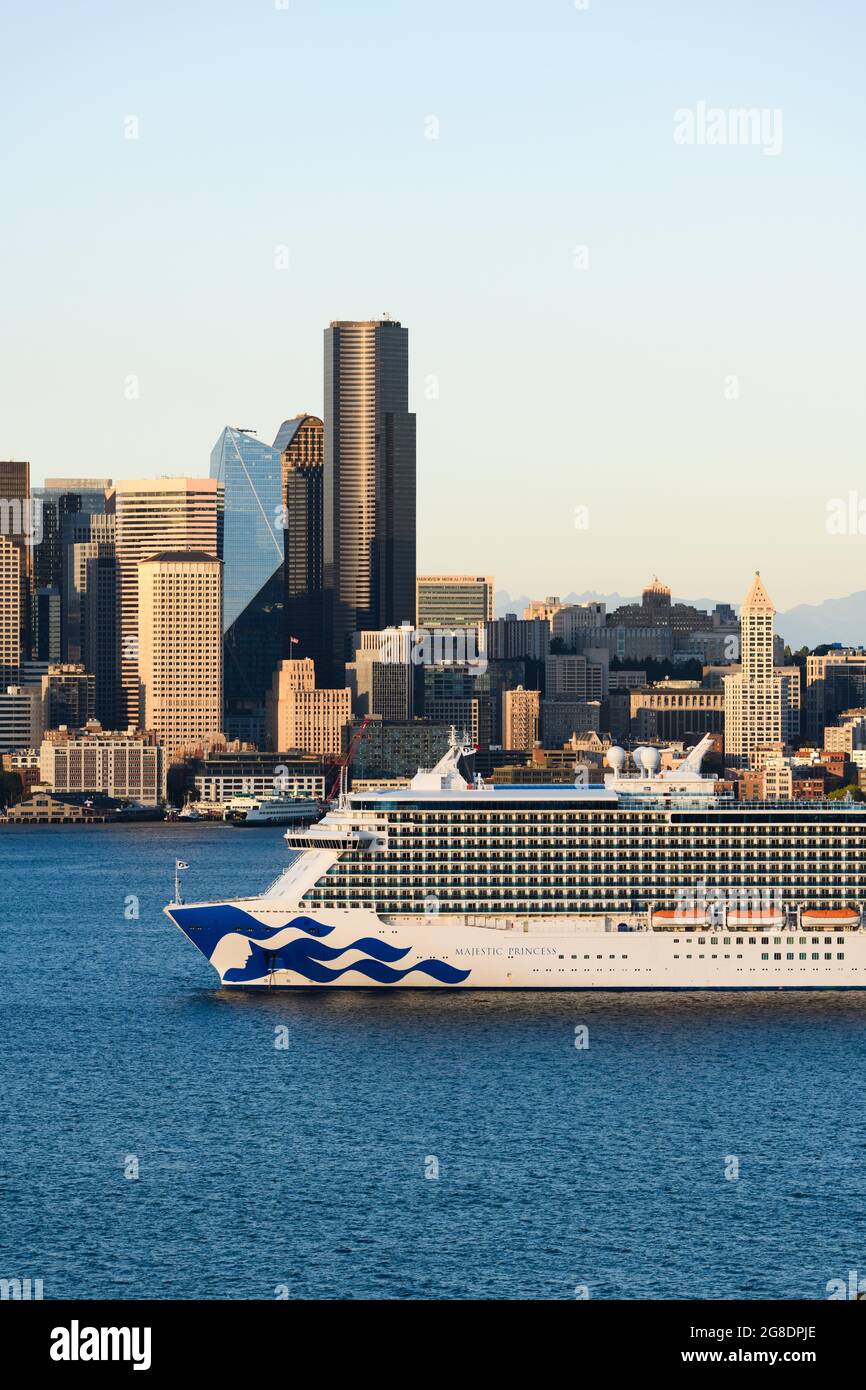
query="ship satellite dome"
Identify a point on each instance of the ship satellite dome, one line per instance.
(638, 756)
(616, 758)
(652, 759)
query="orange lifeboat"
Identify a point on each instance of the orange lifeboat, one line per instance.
(758, 920)
(828, 918)
(683, 918)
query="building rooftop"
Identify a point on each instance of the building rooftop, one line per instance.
(757, 597)
(191, 557)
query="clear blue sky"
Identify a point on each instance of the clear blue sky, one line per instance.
(558, 387)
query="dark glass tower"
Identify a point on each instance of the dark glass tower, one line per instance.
(101, 636)
(301, 445)
(369, 480)
(254, 630)
(66, 508)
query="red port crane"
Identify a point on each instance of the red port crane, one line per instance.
(341, 764)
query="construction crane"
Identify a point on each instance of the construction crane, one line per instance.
(342, 764)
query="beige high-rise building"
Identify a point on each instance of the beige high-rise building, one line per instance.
(453, 600)
(520, 714)
(301, 717)
(154, 515)
(753, 697)
(180, 648)
(11, 556)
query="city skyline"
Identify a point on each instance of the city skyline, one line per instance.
(657, 344)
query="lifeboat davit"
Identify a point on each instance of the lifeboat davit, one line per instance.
(828, 918)
(757, 920)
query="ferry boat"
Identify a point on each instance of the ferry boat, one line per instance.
(250, 810)
(652, 881)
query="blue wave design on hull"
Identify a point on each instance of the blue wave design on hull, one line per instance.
(304, 955)
(206, 926)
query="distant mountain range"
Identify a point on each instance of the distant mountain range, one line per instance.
(808, 625)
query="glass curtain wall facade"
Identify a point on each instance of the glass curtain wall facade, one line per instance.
(254, 631)
(300, 443)
(65, 507)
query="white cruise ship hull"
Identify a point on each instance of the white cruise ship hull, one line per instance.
(257, 943)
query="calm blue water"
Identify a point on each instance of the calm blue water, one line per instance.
(305, 1167)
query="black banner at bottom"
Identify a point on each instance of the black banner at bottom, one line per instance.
(155, 1337)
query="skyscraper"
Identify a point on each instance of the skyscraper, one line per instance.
(834, 682)
(157, 514)
(68, 695)
(753, 697)
(68, 510)
(382, 675)
(101, 636)
(10, 611)
(300, 443)
(254, 587)
(369, 481)
(87, 537)
(301, 716)
(520, 717)
(18, 524)
(180, 652)
(453, 600)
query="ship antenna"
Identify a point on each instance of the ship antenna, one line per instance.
(178, 865)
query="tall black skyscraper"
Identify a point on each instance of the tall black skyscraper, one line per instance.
(301, 446)
(369, 480)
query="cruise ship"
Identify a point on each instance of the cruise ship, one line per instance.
(654, 880)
